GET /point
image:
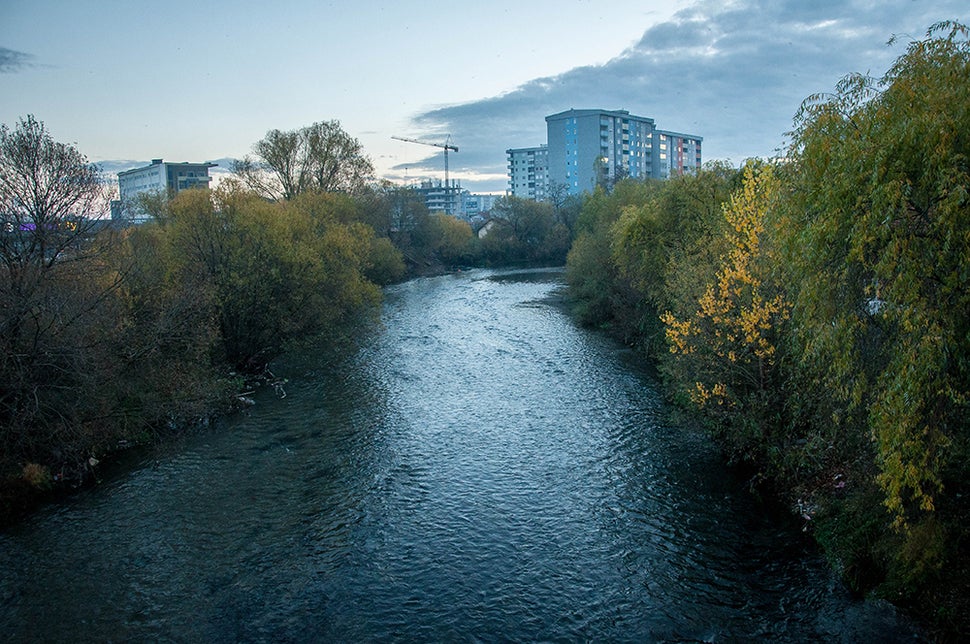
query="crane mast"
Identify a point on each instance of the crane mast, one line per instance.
(445, 146)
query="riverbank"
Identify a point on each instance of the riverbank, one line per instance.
(848, 524)
(484, 466)
(26, 486)
(34, 486)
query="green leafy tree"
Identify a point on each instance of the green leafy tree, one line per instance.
(878, 236)
(163, 355)
(669, 245)
(280, 273)
(526, 230)
(453, 240)
(400, 215)
(522, 230)
(384, 263)
(601, 297)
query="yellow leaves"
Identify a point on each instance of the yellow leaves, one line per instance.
(718, 394)
(737, 315)
(678, 333)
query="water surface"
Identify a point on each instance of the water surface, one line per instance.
(483, 470)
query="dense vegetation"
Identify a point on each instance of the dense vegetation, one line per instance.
(815, 312)
(111, 335)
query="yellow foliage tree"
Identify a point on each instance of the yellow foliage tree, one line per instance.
(728, 341)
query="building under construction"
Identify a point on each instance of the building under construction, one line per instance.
(441, 198)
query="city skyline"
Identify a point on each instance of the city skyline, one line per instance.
(124, 83)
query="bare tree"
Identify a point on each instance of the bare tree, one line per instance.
(50, 197)
(51, 277)
(319, 157)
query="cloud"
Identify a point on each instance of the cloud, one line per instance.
(12, 61)
(734, 73)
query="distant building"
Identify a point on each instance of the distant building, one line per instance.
(453, 199)
(589, 147)
(159, 177)
(476, 204)
(529, 172)
(675, 153)
(439, 197)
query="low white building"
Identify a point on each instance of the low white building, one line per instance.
(157, 178)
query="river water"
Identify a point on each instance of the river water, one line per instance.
(483, 470)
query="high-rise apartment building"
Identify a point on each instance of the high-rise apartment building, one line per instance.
(587, 147)
(590, 147)
(529, 172)
(675, 153)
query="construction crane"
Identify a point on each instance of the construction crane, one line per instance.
(446, 146)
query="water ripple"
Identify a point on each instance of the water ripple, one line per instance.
(483, 471)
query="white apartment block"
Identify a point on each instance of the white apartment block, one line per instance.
(529, 172)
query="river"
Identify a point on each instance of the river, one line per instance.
(482, 470)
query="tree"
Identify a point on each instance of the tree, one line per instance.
(565, 206)
(607, 176)
(600, 295)
(668, 246)
(280, 273)
(451, 239)
(878, 236)
(55, 285)
(526, 230)
(165, 340)
(319, 157)
(727, 346)
(384, 263)
(49, 198)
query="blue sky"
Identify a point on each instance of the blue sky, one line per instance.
(195, 81)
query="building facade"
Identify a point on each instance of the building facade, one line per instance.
(675, 153)
(591, 147)
(160, 178)
(477, 204)
(529, 172)
(441, 198)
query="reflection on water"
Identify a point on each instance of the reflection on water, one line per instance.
(483, 470)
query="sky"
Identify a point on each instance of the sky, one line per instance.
(127, 82)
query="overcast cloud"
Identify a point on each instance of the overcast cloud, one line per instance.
(734, 73)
